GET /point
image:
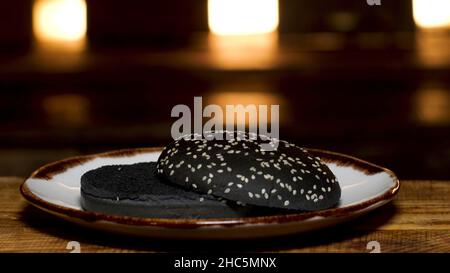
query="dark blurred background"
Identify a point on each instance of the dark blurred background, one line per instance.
(83, 76)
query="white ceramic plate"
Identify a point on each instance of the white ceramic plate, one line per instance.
(55, 188)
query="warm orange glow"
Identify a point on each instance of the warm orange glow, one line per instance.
(67, 109)
(433, 106)
(432, 50)
(244, 98)
(242, 17)
(59, 20)
(244, 52)
(246, 94)
(243, 33)
(431, 13)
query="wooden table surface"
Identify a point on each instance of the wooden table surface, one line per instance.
(418, 220)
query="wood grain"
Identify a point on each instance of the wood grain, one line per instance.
(418, 220)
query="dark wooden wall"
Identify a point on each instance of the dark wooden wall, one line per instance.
(362, 90)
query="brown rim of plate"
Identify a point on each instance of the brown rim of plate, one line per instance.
(49, 170)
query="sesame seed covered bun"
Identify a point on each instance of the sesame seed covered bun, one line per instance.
(237, 169)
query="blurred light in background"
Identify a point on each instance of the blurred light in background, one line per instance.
(242, 17)
(67, 110)
(243, 33)
(433, 106)
(244, 52)
(59, 20)
(432, 50)
(431, 13)
(249, 93)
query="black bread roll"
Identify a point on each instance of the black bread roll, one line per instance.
(134, 190)
(239, 170)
